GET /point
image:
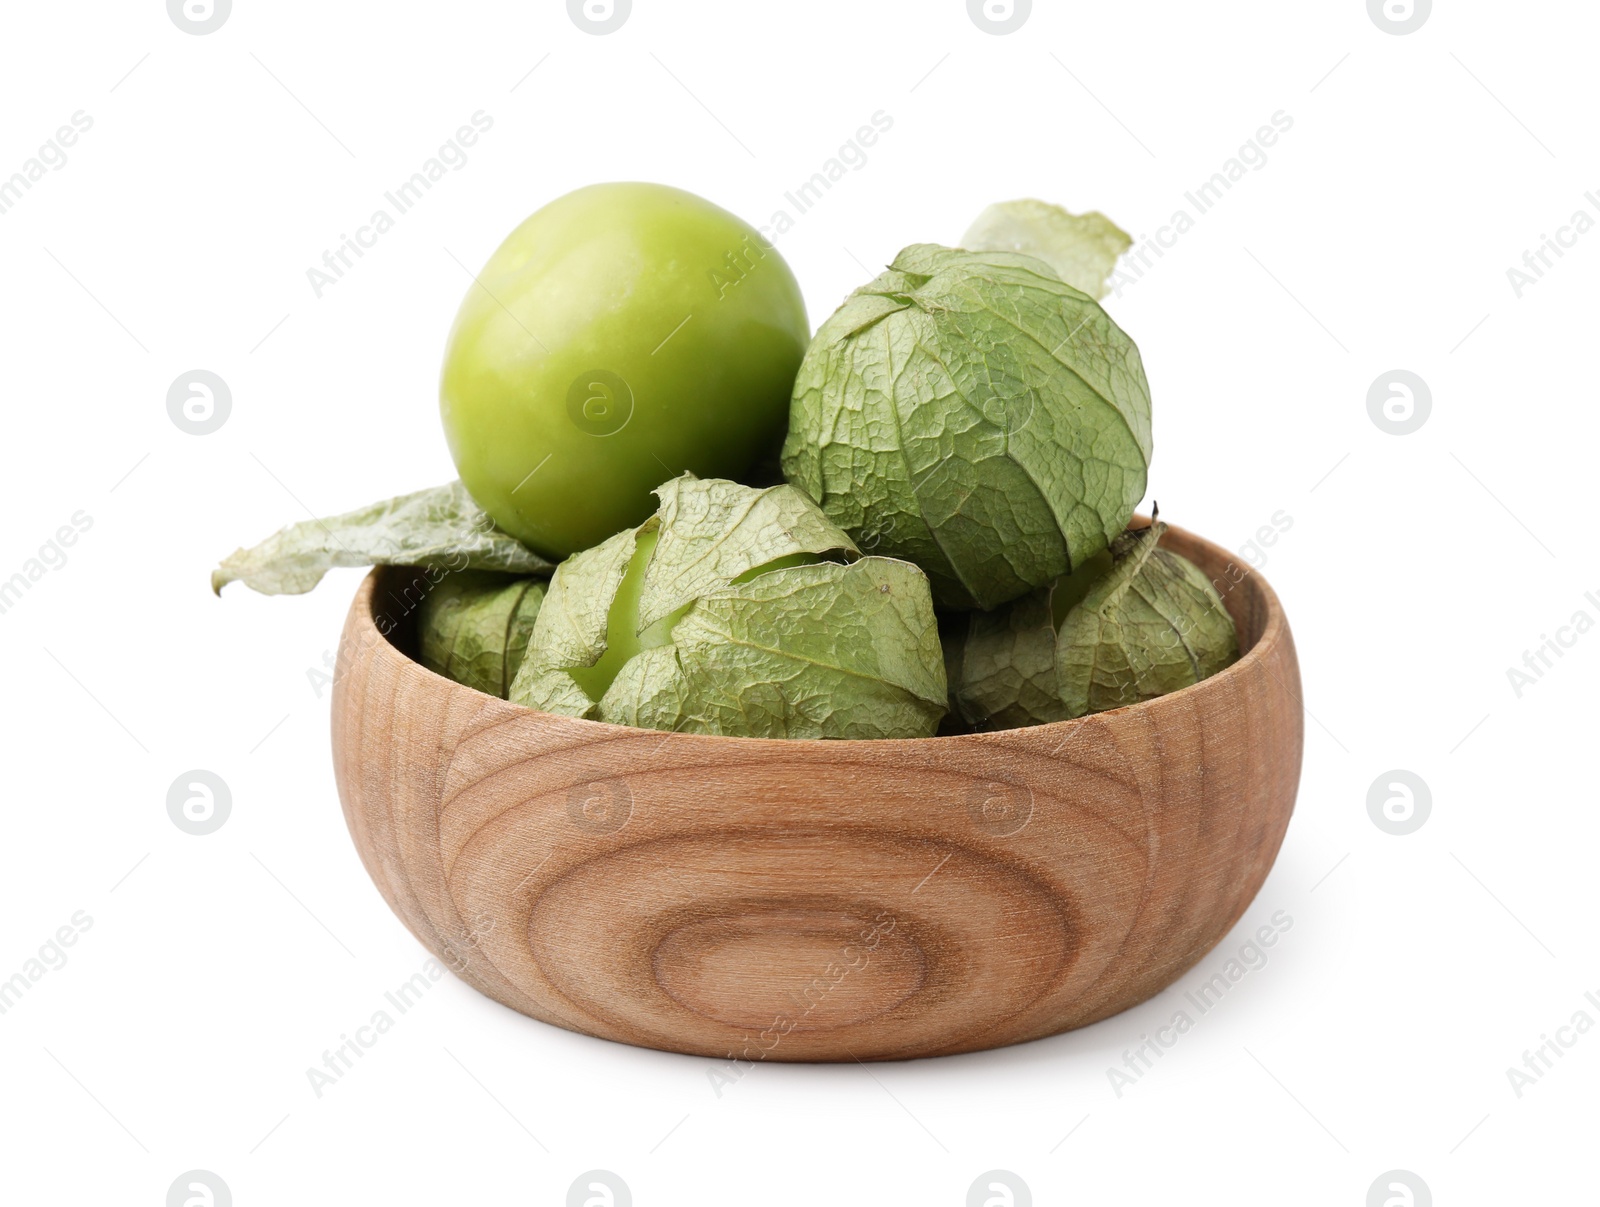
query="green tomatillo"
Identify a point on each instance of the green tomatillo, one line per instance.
(742, 612)
(622, 335)
(1132, 623)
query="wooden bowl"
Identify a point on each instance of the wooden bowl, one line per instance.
(817, 900)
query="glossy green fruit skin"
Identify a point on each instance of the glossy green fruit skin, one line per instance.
(620, 336)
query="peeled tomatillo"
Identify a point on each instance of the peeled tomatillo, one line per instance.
(622, 335)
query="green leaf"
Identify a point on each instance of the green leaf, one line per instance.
(969, 412)
(473, 627)
(1153, 624)
(572, 632)
(1006, 673)
(1082, 248)
(1131, 624)
(819, 651)
(714, 531)
(438, 528)
(572, 629)
(553, 690)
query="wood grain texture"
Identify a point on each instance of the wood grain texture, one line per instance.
(817, 900)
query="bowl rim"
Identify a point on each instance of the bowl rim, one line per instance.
(1275, 626)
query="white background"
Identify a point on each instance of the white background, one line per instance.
(1417, 569)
